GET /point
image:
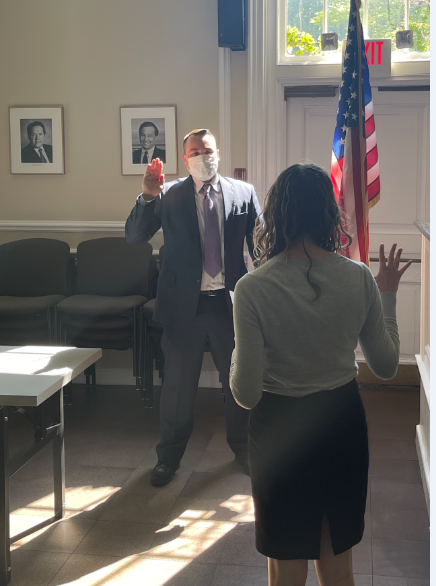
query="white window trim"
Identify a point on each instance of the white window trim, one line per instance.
(411, 59)
(224, 113)
(267, 78)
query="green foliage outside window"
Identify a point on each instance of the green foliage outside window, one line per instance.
(300, 43)
(385, 18)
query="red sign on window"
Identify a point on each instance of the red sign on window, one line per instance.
(378, 52)
(373, 48)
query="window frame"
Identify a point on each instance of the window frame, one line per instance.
(328, 57)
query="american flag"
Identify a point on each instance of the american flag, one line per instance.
(355, 170)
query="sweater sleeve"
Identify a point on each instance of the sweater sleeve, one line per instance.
(379, 337)
(247, 367)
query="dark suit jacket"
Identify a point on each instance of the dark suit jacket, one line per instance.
(157, 154)
(29, 155)
(180, 275)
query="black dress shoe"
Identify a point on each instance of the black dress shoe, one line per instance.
(162, 474)
(242, 460)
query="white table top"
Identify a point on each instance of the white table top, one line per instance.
(31, 374)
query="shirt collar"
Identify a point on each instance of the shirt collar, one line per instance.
(215, 183)
(147, 150)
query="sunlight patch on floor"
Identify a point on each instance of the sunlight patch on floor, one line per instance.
(78, 500)
(132, 571)
(193, 536)
(243, 506)
(81, 498)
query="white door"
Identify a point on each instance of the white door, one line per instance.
(402, 126)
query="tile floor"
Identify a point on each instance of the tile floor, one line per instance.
(197, 530)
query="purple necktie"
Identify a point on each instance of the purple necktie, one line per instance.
(212, 238)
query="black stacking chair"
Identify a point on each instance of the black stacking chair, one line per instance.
(112, 284)
(33, 279)
(150, 347)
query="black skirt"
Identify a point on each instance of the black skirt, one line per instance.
(308, 456)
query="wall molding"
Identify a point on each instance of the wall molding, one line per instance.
(424, 464)
(257, 99)
(123, 377)
(61, 226)
(102, 226)
(425, 378)
(225, 126)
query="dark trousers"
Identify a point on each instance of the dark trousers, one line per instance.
(183, 349)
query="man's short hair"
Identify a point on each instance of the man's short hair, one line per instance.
(148, 123)
(197, 132)
(32, 125)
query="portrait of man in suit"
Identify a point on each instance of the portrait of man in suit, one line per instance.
(206, 219)
(37, 150)
(148, 133)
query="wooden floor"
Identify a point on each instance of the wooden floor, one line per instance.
(197, 530)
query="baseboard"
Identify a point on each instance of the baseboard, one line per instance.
(424, 465)
(110, 376)
(123, 376)
(408, 375)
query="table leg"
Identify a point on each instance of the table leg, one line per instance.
(5, 543)
(59, 463)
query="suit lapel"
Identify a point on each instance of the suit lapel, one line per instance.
(228, 192)
(228, 198)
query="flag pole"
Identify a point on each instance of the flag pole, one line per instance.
(361, 133)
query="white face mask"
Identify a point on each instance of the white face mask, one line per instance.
(203, 167)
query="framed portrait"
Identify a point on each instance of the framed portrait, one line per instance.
(147, 133)
(37, 140)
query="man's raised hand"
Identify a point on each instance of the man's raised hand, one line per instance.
(153, 180)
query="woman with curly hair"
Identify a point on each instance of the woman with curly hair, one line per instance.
(298, 319)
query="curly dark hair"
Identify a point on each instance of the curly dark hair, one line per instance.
(301, 203)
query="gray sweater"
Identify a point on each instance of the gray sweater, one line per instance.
(288, 343)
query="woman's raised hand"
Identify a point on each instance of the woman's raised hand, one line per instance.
(153, 180)
(389, 273)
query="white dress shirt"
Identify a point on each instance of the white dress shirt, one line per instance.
(149, 154)
(208, 283)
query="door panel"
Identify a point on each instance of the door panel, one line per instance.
(402, 120)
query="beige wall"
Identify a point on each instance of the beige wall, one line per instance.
(93, 56)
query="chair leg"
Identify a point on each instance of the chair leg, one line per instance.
(137, 333)
(143, 363)
(49, 325)
(90, 376)
(56, 336)
(148, 374)
(161, 363)
(87, 376)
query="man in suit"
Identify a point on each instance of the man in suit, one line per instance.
(36, 151)
(148, 134)
(205, 219)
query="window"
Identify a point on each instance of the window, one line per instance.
(306, 20)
